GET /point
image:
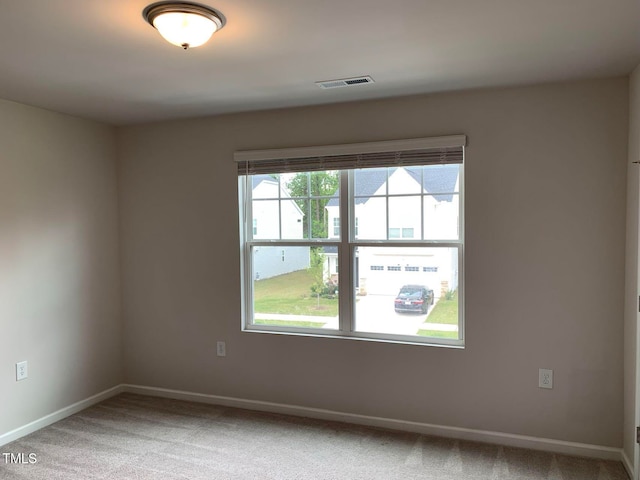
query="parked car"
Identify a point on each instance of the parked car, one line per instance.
(414, 298)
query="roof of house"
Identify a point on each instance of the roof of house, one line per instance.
(439, 180)
(258, 179)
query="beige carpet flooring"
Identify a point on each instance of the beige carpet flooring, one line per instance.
(138, 437)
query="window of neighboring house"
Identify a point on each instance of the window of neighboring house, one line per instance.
(348, 197)
(401, 233)
(394, 233)
(407, 233)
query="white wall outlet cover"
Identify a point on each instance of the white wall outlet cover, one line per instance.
(545, 378)
(21, 371)
(221, 349)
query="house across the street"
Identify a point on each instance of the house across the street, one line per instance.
(417, 199)
(276, 217)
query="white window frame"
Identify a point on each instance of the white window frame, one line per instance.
(346, 244)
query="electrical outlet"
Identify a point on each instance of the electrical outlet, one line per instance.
(21, 371)
(545, 378)
(222, 349)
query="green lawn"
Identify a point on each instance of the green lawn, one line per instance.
(287, 323)
(445, 311)
(291, 294)
(437, 334)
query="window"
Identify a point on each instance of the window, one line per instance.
(394, 233)
(350, 227)
(407, 233)
(401, 232)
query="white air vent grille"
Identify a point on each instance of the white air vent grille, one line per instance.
(345, 82)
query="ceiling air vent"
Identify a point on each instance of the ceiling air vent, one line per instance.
(345, 82)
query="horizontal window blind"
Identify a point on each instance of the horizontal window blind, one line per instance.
(423, 151)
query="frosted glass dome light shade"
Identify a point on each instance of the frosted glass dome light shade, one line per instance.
(182, 24)
(186, 30)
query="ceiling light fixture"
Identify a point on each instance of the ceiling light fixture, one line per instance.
(186, 25)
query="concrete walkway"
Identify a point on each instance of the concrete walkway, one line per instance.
(293, 318)
(332, 322)
(442, 327)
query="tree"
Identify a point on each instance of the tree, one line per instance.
(314, 184)
(316, 269)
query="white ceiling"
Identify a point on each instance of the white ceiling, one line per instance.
(99, 59)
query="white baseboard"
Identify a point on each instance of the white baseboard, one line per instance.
(58, 415)
(628, 465)
(506, 439)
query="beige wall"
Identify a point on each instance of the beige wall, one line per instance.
(631, 280)
(59, 265)
(545, 223)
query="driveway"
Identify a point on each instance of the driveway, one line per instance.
(375, 313)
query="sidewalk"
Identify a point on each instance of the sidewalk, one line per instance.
(332, 322)
(442, 327)
(292, 318)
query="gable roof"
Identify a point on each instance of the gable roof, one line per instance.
(441, 180)
(258, 179)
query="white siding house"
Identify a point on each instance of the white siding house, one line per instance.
(384, 269)
(275, 217)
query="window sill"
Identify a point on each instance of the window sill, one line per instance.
(364, 337)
